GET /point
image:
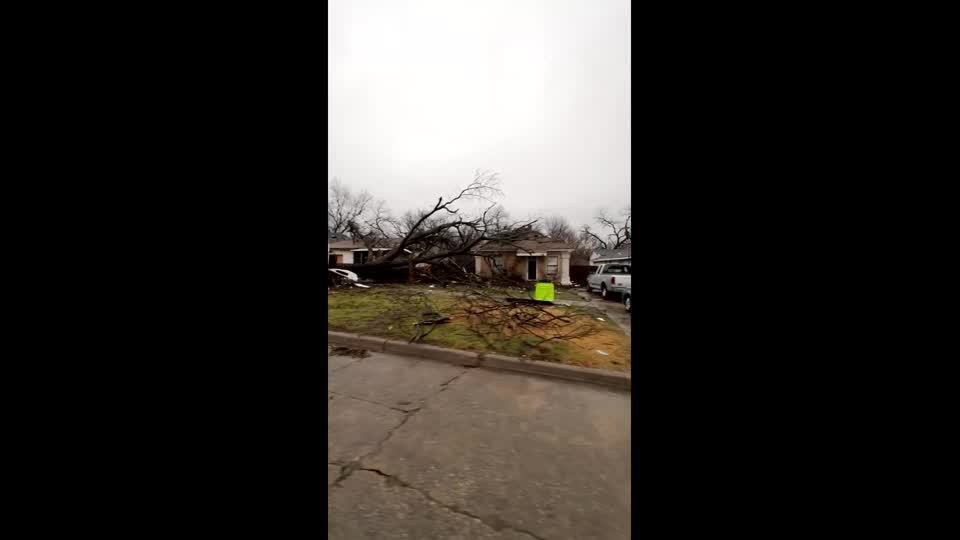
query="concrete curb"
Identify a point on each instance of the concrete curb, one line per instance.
(612, 379)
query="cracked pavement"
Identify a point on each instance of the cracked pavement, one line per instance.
(424, 449)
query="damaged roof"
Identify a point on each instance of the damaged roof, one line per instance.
(535, 246)
(354, 244)
(612, 254)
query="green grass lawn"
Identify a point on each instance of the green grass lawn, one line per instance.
(391, 311)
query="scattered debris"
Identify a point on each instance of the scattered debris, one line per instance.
(345, 273)
(603, 353)
(493, 317)
(347, 351)
(344, 278)
(599, 319)
(441, 320)
(514, 300)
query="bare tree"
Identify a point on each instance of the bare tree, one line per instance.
(375, 230)
(344, 207)
(616, 233)
(558, 228)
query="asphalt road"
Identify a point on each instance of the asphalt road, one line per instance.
(423, 449)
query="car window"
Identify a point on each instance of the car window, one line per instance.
(614, 270)
(626, 270)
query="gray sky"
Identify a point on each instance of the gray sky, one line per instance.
(424, 93)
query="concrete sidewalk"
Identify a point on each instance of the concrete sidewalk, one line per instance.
(424, 449)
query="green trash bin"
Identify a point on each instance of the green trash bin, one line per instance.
(543, 291)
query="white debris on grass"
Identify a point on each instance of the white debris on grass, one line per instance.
(603, 353)
(344, 273)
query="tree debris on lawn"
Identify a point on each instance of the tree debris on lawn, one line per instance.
(515, 300)
(347, 351)
(433, 320)
(482, 320)
(489, 317)
(436, 320)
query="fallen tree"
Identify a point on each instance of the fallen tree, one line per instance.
(437, 233)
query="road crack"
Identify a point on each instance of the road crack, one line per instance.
(444, 385)
(404, 411)
(496, 524)
(348, 468)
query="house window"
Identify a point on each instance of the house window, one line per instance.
(552, 266)
(360, 257)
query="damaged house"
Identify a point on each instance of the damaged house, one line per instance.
(349, 251)
(532, 258)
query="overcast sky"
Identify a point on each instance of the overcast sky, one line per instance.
(424, 93)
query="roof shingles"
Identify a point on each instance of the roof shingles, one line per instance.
(534, 246)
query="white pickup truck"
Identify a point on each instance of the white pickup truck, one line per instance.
(609, 278)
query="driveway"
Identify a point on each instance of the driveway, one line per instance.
(423, 449)
(613, 308)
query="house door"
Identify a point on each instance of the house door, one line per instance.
(532, 268)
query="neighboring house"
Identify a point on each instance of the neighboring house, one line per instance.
(604, 256)
(331, 238)
(355, 252)
(535, 257)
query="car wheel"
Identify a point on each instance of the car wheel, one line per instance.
(603, 290)
(626, 303)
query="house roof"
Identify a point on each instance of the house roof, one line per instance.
(604, 254)
(355, 244)
(527, 245)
